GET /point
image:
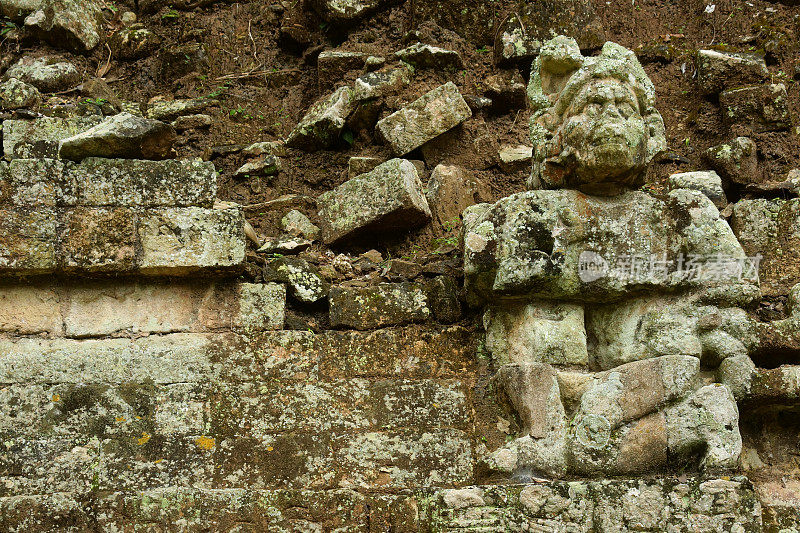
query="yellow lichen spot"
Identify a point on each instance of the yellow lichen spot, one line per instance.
(120, 419)
(205, 443)
(158, 461)
(56, 397)
(143, 439)
(269, 448)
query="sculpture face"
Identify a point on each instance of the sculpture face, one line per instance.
(595, 126)
(604, 131)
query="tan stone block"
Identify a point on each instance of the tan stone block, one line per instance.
(29, 310)
(106, 308)
(28, 240)
(99, 240)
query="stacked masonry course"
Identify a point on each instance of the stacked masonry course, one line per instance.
(392, 332)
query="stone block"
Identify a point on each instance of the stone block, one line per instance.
(723, 70)
(424, 119)
(771, 228)
(388, 198)
(182, 240)
(332, 65)
(28, 241)
(387, 304)
(760, 108)
(324, 121)
(707, 182)
(37, 183)
(27, 310)
(541, 332)
(39, 138)
(99, 240)
(141, 183)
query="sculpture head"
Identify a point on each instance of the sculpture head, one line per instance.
(595, 126)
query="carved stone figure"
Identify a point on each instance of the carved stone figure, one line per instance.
(615, 317)
(595, 126)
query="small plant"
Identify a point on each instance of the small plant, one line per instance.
(482, 49)
(6, 26)
(170, 15)
(347, 136)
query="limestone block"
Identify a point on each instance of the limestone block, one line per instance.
(424, 119)
(386, 304)
(540, 332)
(324, 121)
(36, 182)
(39, 138)
(388, 198)
(722, 70)
(332, 65)
(167, 110)
(175, 358)
(771, 228)
(142, 183)
(48, 74)
(105, 308)
(74, 24)
(379, 84)
(421, 55)
(121, 136)
(99, 240)
(760, 107)
(261, 306)
(345, 11)
(16, 94)
(180, 240)
(736, 161)
(17, 10)
(563, 244)
(28, 240)
(305, 282)
(27, 310)
(451, 189)
(707, 182)
(426, 459)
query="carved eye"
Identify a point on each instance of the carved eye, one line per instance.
(625, 109)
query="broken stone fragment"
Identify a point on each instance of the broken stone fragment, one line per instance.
(172, 109)
(760, 108)
(507, 91)
(275, 148)
(386, 304)
(192, 122)
(378, 84)
(134, 42)
(426, 56)
(323, 123)
(388, 198)
(361, 165)
(332, 65)
(16, 94)
(17, 10)
(723, 70)
(39, 138)
(47, 74)
(121, 136)
(736, 161)
(285, 244)
(297, 224)
(424, 119)
(304, 280)
(266, 165)
(515, 158)
(451, 190)
(342, 11)
(74, 24)
(771, 228)
(519, 36)
(707, 182)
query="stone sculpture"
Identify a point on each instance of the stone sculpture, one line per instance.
(615, 317)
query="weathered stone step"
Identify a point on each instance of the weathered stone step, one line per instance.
(394, 459)
(121, 240)
(253, 410)
(658, 504)
(411, 353)
(101, 308)
(39, 138)
(97, 182)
